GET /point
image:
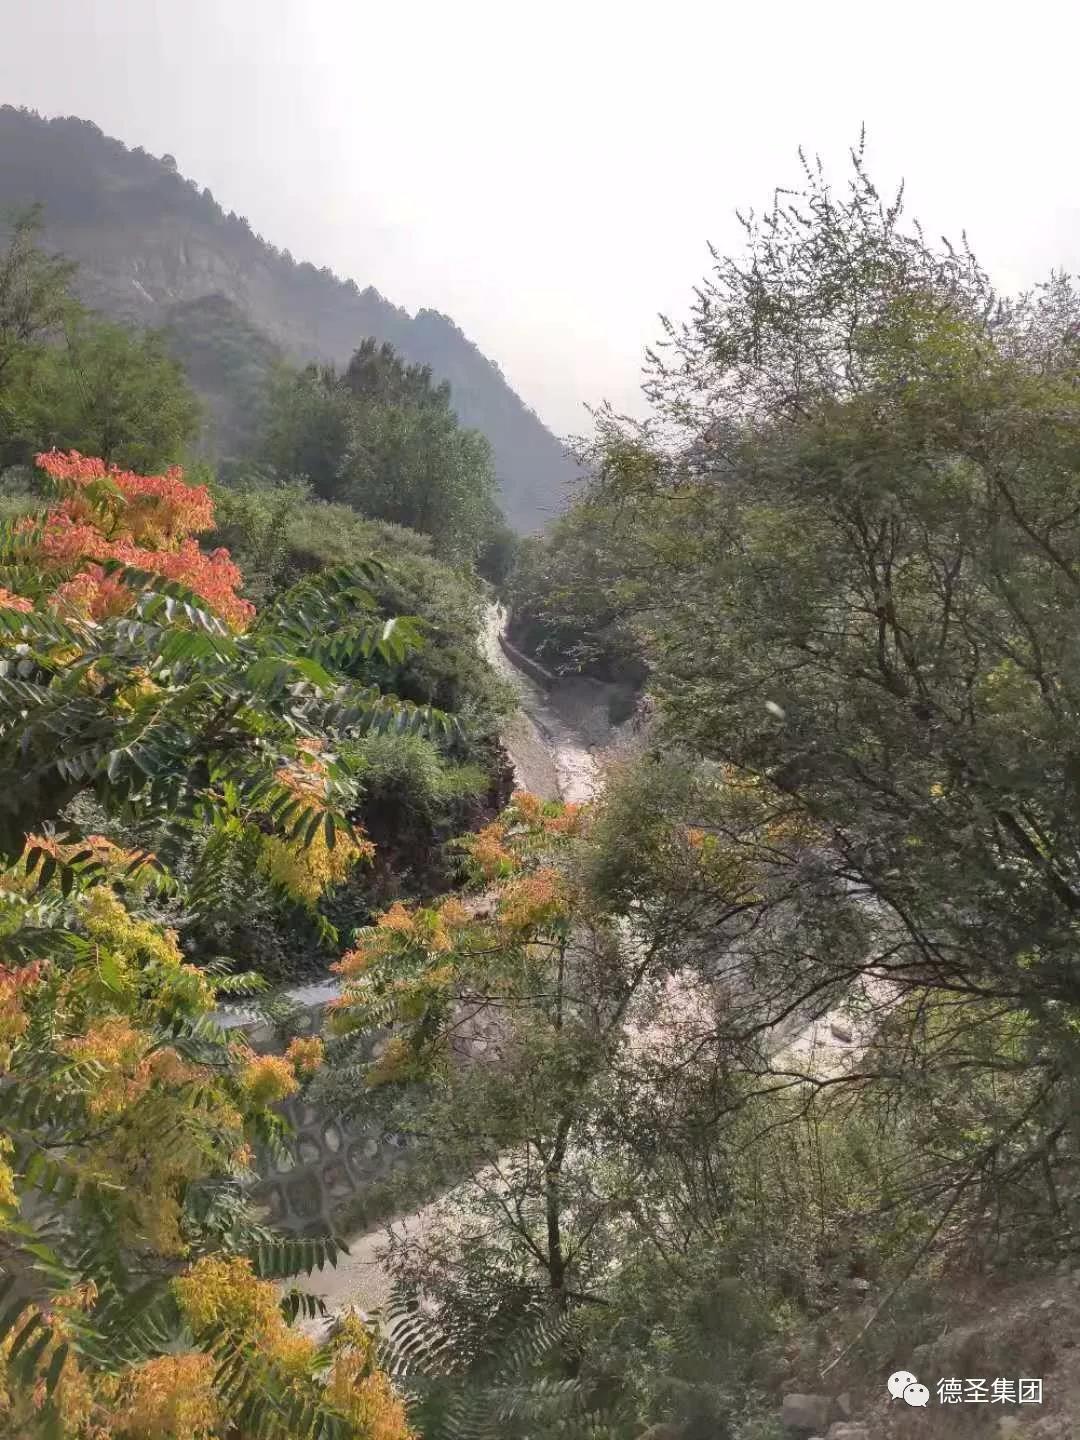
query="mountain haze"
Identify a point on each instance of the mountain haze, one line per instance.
(155, 250)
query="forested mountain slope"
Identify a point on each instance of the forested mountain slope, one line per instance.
(152, 248)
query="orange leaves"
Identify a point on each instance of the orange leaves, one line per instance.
(16, 985)
(142, 521)
(533, 901)
(418, 967)
(10, 601)
(170, 1397)
(527, 806)
(90, 592)
(157, 508)
(568, 821)
(502, 848)
(129, 1064)
(488, 852)
(399, 931)
(305, 1054)
(551, 817)
(397, 918)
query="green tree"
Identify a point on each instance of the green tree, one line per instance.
(114, 393)
(858, 558)
(382, 438)
(35, 301)
(308, 427)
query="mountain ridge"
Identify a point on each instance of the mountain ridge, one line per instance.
(149, 242)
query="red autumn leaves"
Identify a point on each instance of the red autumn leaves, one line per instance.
(144, 521)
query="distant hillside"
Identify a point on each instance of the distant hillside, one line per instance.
(229, 363)
(155, 249)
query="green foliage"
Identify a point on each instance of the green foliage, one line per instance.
(280, 534)
(34, 303)
(136, 1287)
(217, 714)
(75, 382)
(476, 1378)
(123, 1113)
(576, 596)
(383, 438)
(110, 392)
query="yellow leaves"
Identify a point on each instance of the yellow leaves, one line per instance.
(120, 1050)
(369, 1401)
(72, 1396)
(308, 871)
(414, 963)
(8, 1197)
(170, 1397)
(224, 1292)
(145, 1123)
(140, 688)
(360, 1391)
(129, 1065)
(292, 1350)
(396, 1063)
(440, 977)
(266, 1079)
(1008, 691)
(305, 1054)
(791, 827)
(454, 914)
(155, 1143)
(134, 941)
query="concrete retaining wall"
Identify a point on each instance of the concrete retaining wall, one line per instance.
(526, 663)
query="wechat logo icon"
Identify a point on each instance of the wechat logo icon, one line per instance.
(903, 1385)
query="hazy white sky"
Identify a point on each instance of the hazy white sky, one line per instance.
(548, 174)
